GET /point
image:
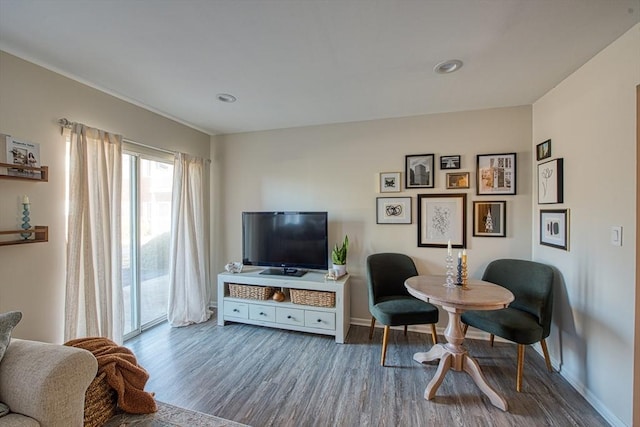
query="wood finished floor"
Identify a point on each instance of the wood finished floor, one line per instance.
(270, 377)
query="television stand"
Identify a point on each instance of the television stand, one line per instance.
(284, 271)
(303, 316)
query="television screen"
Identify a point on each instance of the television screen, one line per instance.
(288, 241)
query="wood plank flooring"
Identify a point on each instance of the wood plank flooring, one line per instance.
(270, 377)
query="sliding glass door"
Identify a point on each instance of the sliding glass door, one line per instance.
(146, 224)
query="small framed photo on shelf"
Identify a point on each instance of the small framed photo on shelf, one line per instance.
(554, 228)
(456, 180)
(442, 218)
(449, 162)
(389, 182)
(496, 174)
(490, 219)
(393, 210)
(543, 150)
(550, 182)
(419, 171)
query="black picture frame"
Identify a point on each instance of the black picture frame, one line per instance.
(554, 228)
(543, 150)
(490, 218)
(496, 174)
(442, 218)
(419, 171)
(551, 182)
(450, 162)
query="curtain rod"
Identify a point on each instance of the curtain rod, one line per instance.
(67, 124)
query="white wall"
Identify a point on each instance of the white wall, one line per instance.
(32, 99)
(335, 168)
(591, 119)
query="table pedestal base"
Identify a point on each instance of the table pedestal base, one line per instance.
(453, 356)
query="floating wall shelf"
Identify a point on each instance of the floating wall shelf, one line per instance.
(41, 235)
(44, 172)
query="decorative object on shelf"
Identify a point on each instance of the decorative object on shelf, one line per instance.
(449, 264)
(457, 180)
(24, 154)
(25, 217)
(543, 150)
(390, 182)
(339, 257)
(496, 174)
(449, 162)
(393, 210)
(490, 219)
(459, 270)
(442, 217)
(234, 267)
(550, 182)
(278, 296)
(554, 228)
(419, 171)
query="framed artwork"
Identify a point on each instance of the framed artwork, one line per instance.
(457, 180)
(393, 210)
(449, 162)
(419, 171)
(543, 150)
(442, 217)
(554, 228)
(550, 182)
(390, 182)
(490, 219)
(496, 174)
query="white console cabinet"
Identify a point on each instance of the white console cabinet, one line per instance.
(286, 315)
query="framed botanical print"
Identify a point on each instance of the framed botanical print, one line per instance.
(419, 171)
(390, 182)
(490, 219)
(442, 218)
(393, 210)
(550, 182)
(496, 174)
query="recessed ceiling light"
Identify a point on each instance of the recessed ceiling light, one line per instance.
(225, 97)
(447, 67)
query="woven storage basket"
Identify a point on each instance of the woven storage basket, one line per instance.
(314, 298)
(250, 292)
(100, 402)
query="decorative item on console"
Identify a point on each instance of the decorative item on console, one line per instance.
(234, 267)
(339, 257)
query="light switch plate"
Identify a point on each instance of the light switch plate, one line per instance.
(616, 235)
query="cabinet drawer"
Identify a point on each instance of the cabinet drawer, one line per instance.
(262, 312)
(320, 319)
(290, 316)
(236, 309)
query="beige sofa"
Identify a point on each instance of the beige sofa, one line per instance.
(44, 384)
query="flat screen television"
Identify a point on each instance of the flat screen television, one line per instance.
(288, 242)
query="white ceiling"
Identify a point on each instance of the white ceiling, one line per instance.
(305, 62)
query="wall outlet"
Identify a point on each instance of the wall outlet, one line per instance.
(616, 235)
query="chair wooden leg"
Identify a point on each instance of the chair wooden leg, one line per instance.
(373, 323)
(491, 337)
(464, 329)
(543, 343)
(434, 335)
(405, 330)
(385, 336)
(520, 367)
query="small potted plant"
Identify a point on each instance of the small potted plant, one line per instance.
(339, 257)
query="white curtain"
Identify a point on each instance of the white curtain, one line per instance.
(93, 304)
(189, 287)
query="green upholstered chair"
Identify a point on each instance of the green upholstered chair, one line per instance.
(390, 302)
(527, 320)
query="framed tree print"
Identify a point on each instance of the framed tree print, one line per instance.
(496, 174)
(419, 171)
(490, 219)
(550, 182)
(442, 217)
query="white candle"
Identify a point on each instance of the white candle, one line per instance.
(459, 254)
(449, 248)
(25, 200)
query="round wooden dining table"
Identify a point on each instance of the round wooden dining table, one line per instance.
(455, 300)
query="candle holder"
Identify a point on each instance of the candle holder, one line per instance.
(464, 279)
(449, 263)
(25, 221)
(459, 277)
